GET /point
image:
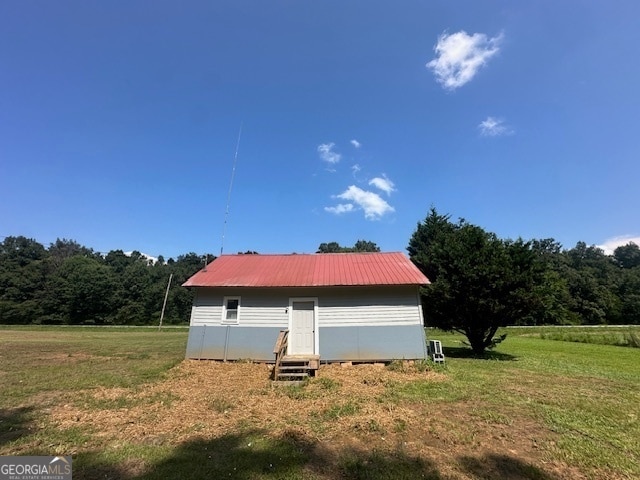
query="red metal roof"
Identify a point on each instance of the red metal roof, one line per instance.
(309, 270)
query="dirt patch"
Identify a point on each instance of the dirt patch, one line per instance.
(341, 410)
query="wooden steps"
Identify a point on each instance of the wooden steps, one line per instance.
(292, 368)
(296, 367)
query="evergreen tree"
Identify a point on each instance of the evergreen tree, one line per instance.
(479, 282)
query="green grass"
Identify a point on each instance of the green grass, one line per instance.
(56, 360)
(247, 455)
(583, 398)
(618, 338)
(311, 388)
(588, 394)
(335, 412)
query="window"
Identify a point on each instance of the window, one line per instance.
(231, 310)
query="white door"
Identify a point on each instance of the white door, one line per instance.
(302, 333)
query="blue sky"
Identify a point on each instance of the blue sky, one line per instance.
(119, 121)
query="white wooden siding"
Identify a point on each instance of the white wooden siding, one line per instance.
(354, 306)
(207, 308)
(257, 308)
(206, 315)
(362, 307)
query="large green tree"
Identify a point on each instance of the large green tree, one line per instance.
(85, 290)
(627, 256)
(22, 277)
(479, 282)
(592, 278)
(552, 289)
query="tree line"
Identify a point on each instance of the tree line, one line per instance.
(479, 282)
(71, 284)
(360, 246)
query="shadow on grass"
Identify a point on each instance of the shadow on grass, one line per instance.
(385, 465)
(502, 466)
(255, 455)
(466, 352)
(14, 423)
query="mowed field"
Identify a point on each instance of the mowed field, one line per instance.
(125, 405)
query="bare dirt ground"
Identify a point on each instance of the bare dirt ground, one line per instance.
(343, 412)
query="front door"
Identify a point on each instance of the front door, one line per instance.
(303, 326)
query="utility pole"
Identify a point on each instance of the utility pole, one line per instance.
(166, 295)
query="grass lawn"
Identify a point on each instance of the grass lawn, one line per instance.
(125, 405)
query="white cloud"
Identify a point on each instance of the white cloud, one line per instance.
(459, 56)
(327, 154)
(494, 127)
(356, 143)
(611, 244)
(340, 208)
(355, 168)
(383, 183)
(373, 205)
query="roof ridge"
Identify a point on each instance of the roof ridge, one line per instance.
(304, 254)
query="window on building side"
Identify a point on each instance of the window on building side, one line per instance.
(231, 310)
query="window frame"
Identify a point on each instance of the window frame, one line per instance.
(225, 309)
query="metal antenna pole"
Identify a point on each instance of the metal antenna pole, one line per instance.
(233, 172)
